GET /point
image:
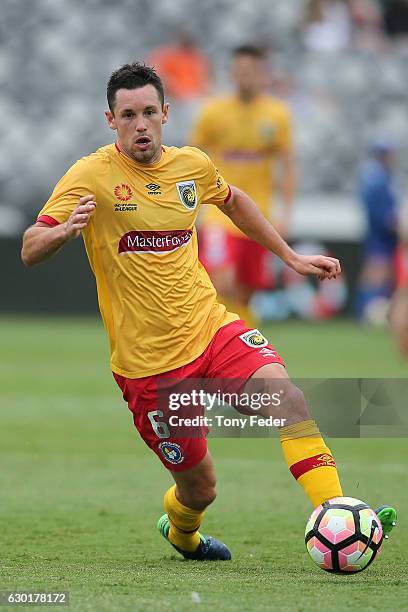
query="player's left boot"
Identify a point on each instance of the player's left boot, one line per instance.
(209, 548)
(388, 519)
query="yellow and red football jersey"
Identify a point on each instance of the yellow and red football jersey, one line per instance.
(157, 302)
(243, 140)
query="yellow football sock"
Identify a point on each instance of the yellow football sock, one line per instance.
(310, 461)
(184, 522)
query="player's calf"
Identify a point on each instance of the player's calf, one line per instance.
(196, 486)
(198, 497)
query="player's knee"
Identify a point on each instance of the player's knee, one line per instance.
(287, 402)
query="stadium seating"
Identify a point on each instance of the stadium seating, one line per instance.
(52, 86)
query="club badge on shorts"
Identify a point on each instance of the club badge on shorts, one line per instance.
(254, 338)
(171, 452)
(187, 194)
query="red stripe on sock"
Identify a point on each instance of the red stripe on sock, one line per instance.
(311, 463)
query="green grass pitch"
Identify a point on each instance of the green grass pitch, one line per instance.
(80, 493)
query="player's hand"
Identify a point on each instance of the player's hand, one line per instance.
(80, 216)
(317, 265)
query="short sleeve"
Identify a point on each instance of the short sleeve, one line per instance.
(217, 189)
(75, 184)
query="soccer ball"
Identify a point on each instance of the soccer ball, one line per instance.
(343, 535)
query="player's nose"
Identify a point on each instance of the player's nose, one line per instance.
(140, 125)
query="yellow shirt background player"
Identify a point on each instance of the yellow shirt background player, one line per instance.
(245, 140)
(249, 137)
(145, 219)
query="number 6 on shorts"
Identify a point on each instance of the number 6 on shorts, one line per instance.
(159, 427)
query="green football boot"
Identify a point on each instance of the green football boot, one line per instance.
(209, 548)
(388, 519)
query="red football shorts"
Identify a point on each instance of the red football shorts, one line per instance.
(401, 263)
(230, 355)
(251, 263)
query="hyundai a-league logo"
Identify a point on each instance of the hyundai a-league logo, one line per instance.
(171, 452)
(254, 338)
(187, 194)
(123, 192)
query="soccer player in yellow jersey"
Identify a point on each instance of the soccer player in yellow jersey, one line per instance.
(135, 203)
(248, 135)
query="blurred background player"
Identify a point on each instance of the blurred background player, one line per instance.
(327, 25)
(399, 302)
(378, 194)
(330, 26)
(248, 135)
(185, 71)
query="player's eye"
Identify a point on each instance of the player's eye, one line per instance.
(128, 114)
(149, 112)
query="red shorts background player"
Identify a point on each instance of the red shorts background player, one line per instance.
(244, 264)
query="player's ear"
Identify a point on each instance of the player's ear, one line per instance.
(110, 118)
(165, 112)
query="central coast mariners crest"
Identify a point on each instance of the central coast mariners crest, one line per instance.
(187, 194)
(171, 452)
(254, 338)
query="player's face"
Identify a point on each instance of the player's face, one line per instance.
(138, 118)
(248, 75)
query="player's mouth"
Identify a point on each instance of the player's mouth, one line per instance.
(143, 142)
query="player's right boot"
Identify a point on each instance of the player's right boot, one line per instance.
(388, 519)
(209, 548)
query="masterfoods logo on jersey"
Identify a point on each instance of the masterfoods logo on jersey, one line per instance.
(187, 194)
(154, 242)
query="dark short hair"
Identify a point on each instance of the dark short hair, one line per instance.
(251, 50)
(133, 76)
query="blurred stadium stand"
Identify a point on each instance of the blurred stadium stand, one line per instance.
(56, 56)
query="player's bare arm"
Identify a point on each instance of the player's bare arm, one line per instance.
(40, 241)
(244, 213)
